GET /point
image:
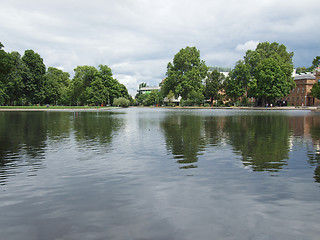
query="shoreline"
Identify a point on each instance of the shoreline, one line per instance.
(8, 109)
(17, 109)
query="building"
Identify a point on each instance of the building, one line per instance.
(301, 94)
(148, 89)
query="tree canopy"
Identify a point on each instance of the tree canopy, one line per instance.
(315, 90)
(265, 73)
(214, 85)
(25, 80)
(185, 74)
(315, 64)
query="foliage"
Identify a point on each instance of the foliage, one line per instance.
(214, 85)
(185, 74)
(195, 98)
(33, 77)
(315, 90)
(155, 97)
(141, 85)
(183, 135)
(55, 86)
(315, 64)
(121, 102)
(265, 73)
(262, 146)
(5, 68)
(95, 87)
(238, 83)
(15, 87)
(25, 81)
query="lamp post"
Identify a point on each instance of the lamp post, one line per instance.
(305, 100)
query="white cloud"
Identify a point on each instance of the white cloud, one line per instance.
(250, 45)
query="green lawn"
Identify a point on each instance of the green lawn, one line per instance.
(51, 107)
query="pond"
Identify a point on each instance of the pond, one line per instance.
(154, 173)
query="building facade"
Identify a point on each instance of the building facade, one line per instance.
(301, 94)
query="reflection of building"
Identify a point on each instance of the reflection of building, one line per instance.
(301, 94)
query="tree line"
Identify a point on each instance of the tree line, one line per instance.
(264, 74)
(24, 80)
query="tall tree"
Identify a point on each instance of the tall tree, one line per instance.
(55, 85)
(33, 76)
(271, 70)
(213, 85)
(238, 82)
(315, 62)
(82, 79)
(113, 87)
(5, 62)
(5, 68)
(15, 85)
(185, 74)
(315, 90)
(93, 86)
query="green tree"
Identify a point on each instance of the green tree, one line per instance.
(114, 89)
(155, 97)
(301, 70)
(315, 90)
(315, 64)
(33, 76)
(170, 96)
(184, 138)
(263, 146)
(185, 74)
(141, 98)
(92, 86)
(5, 63)
(97, 92)
(5, 68)
(141, 85)
(82, 79)
(270, 71)
(213, 85)
(55, 85)
(15, 84)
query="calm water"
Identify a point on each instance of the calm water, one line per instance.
(160, 174)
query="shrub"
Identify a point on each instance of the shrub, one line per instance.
(121, 102)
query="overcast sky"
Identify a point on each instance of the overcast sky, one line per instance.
(137, 38)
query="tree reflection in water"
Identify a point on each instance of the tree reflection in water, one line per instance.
(22, 141)
(314, 156)
(95, 130)
(262, 141)
(25, 136)
(184, 138)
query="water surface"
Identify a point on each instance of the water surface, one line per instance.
(143, 173)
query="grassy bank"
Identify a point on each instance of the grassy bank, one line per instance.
(44, 108)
